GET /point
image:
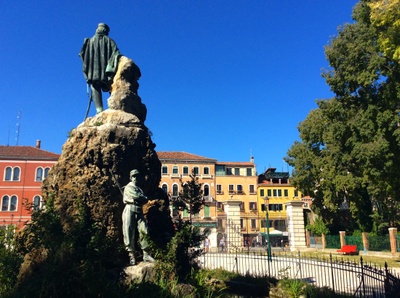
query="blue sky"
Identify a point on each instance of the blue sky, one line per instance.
(224, 79)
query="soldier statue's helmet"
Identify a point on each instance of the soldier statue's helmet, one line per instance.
(134, 172)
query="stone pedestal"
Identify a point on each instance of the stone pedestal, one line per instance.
(234, 239)
(296, 228)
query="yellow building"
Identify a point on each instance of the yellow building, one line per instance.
(274, 190)
(179, 165)
(237, 181)
(221, 182)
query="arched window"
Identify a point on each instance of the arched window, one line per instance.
(14, 202)
(9, 204)
(206, 191)
(206, 171)
(165, 188)
(16, 174)
(46, 172)
(5, 203)
(37, 203)
(39, 174)
(175, 191)
(8, 174)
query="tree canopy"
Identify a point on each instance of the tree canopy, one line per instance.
(349, 154)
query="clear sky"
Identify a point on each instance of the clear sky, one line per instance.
(225, 79)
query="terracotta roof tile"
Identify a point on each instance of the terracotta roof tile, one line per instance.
(26, 152)
(174, 155)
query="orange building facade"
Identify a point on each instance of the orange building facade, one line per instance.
(22, 170)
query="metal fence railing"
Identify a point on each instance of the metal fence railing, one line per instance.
(345, 277)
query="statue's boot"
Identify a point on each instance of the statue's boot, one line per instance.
(147, 258)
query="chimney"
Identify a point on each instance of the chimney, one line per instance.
(38, 144)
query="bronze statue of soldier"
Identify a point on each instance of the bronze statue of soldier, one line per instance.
(134, 225)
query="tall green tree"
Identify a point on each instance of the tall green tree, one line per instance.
(349, 151)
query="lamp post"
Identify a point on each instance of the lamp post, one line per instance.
(269, 256)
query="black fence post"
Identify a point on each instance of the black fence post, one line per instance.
(362, 275)
(332, 274)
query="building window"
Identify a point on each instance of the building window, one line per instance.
(239, 188)
(264, 223)
(248, 172)
(261, 192)
(253, 224)
(241, 206)
(296, 193)
(206, 191)
(8, 174)
(37, 203)
(9, 203)
(185, 171)
(219, 189)
(165, 188)
(253, 206)
(251, 189)
(175, 170)
(196, 171)
(46, 172)
(206, 171)
(175, 191)
(274, 192)
(237, 171)
(231, 189)
(285, 192)
(242, 223)
(279, 192)
(39, 174)
(275, 207)
(164, 170)
(220, 206)
(12, 174)
(269, 193)
(229, 171)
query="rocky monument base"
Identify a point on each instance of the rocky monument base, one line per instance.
(94, 166)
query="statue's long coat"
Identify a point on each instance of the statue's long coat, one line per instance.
(99, 56)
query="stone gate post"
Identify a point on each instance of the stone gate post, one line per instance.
(233, 231)
(295, 225)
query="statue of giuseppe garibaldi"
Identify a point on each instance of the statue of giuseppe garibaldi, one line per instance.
(99, 56)
(134, 224)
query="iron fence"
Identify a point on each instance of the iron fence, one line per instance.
(345, 277)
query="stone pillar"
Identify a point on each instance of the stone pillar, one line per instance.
(365, 241)
(295, 224)
(323, 240)
(342, 235)
(393, 240)
(234, 239)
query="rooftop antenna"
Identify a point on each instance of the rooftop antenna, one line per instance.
(18, 126)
